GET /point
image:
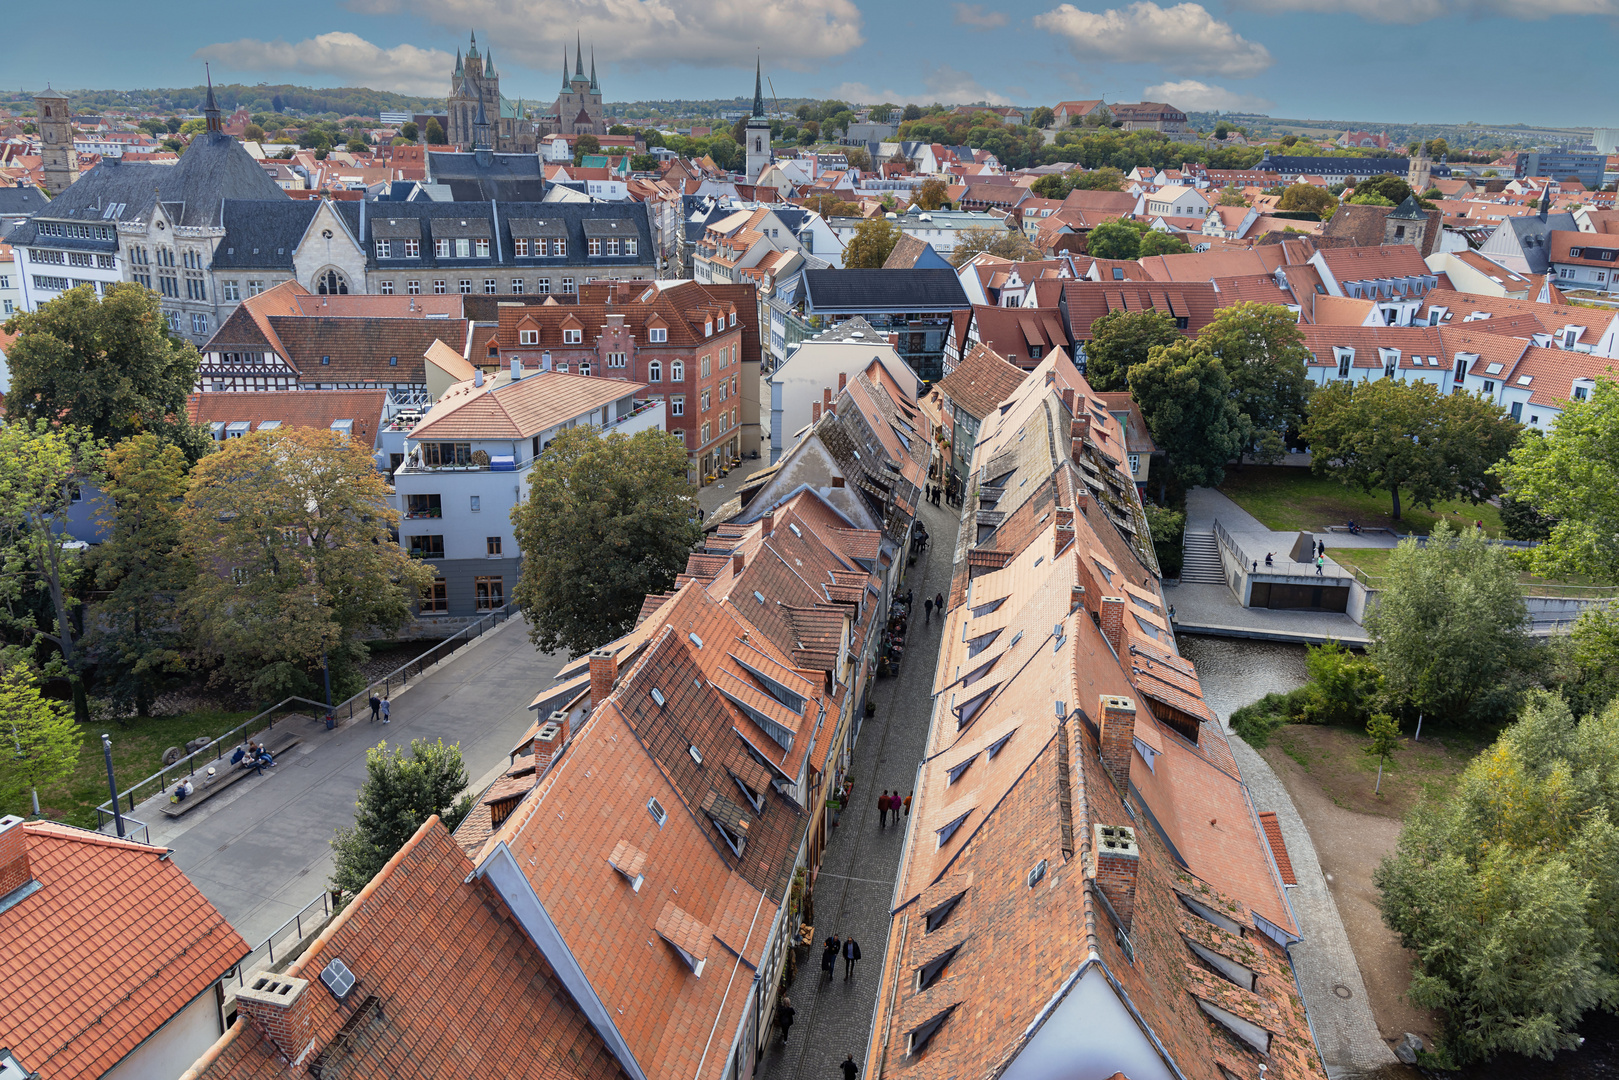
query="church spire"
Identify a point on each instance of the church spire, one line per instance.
(579, 57)
(758, 88)
(211, 109)
(565, 86)
(594, 85)
(489, 63)
(472, 50)
(480, 128)
(458, 67)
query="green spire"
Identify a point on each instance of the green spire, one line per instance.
(579, 57)
(458, 68)
(472, 52)
(565, 86)
(594, 85)
(758, 89)
(489, 62)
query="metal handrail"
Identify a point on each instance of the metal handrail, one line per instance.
(267, 946)
(265, 720)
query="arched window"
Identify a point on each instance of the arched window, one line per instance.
(331, 283)
(677, 371)
(654, 371)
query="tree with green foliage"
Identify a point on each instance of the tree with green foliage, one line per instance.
(1168, 530)
(398, 796)
(608, 521)
(1570, 475)
(858, 157)
(1343, 688)
(1507, 892)
(1185, 397)
(253, 133)
(1371, 198)
(644, 163)
(1308, 199)
(618, 129)
(409, 130)
(1385, 735)
(1053, 186)
(1042, 117)
(1115, 240)
(358, 146)
(43, 469)
(871, 244)
(880, 114)
(291, 532)
(1585, 661)
(1391, 435)
(830, 206)
(1004, 243)
(1154, 242)
(136, 640)
(933, 195)
(1230, 196)
(1120, 340)
(1450, 629)
(43, 740)
(912, 112)
(435, 132)
(1390, 187)
(1105, 178)
(1264, 354)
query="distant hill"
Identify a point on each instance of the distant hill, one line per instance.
(345, 100)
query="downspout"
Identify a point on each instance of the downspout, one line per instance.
(725, 996)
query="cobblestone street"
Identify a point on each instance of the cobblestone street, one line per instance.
(856, 883)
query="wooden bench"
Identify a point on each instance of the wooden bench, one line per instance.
(1363, 528)
(228, 775)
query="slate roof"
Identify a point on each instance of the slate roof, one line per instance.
(113, 944)
(448, 984)
(1533, 235)
(883, 290)
(483, 175)
(261, 233)
(18, 201)
(215, 167)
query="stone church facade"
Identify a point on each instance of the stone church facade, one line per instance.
(578, 109)
(479, 115)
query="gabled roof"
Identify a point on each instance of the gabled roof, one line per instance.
(293, 408)
(114, 942)
(981, 381)
(503, 409)
(883, 290)
(1087, 301)
(344, 350)
(439, 960)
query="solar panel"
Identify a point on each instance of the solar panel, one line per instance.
(338, 979)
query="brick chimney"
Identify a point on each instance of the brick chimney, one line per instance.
(1117, 860)
(1069, 399)
(767, 525)
(603, 674)
(282, 1008)
(1112, 622)
(1118, 736)
(826, 398)
(815, 413)
(739, 562)
(548, 742)
(14, 867)
(843, 380)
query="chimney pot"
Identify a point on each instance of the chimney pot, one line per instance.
(826, 396)
(843, 380)
(280, 1006)
(603, 674)
(549, 740)
(15, 871)
(1117, 859)
(1118, 735)
(815, 413)
(767, 524)
(739, 562)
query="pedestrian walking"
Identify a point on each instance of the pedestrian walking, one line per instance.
(784, 1017)
(850, 1069)
(908, 804)
(829, 956)
(385, 710)
(927, 607)
(938, 602)
(1319, 564)
(376, 707)
(882, 809)
(851, 953)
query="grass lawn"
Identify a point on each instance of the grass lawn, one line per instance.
(1335, 758)
(1285, 498)
(1374, 563)
(137, 752)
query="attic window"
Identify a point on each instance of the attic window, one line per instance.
(978, 673)
(696, 755)
(794, 529)
(326, 359)
(1493, 369)
(1210, 915)
(947, 831)
(659, 814)
(759, 596)
(939, 914)
(987, 607)
(1017, 637)
(920, 1035)
(1236, 973)
(1523, 380)
(930, 972)
(695, 640)
(1246, 1030)
(966, 711)
(995, 747)
(981, 642)
(956, 773)
(1106, 573)
(756, 799)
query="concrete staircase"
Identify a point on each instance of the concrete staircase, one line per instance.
(1201, 557)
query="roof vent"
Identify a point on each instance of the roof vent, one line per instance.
(658, 698)
(695, 640)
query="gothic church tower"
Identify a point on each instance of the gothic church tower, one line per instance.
(757, 129)
(60, 160)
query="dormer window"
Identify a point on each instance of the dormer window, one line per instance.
(932, 971)
(958, 771)
(528, 337)
(918, 1037)
(936, 917)
(947, 831)
(657, 335)
(573, 337)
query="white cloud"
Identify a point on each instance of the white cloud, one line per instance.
(859, 93)
(790, 33)
(978, 16)
(953, 87)
(1184, 37)
(348, 57)
(1191, 95)
(1416, 11)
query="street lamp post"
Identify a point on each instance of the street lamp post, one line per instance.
(112, 784)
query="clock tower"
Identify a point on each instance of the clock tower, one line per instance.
(60, 160)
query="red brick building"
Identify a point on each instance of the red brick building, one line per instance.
(685, 342)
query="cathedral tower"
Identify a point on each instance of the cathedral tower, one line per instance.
(60, 160)
(757, 129)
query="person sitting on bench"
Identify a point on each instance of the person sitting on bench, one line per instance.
(264, 755)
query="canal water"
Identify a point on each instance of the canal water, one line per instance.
(1236, 671)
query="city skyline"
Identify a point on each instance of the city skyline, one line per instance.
(1251, 56)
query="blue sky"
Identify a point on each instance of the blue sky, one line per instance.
(1391, 60)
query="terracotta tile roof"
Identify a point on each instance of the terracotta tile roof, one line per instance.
(1253, 288)
(982, 380)
(360, 349)
(1278, 847)
(1368, 263)
(1552, 373)
(1564, 244)
(502, 409)
(448, 981)
(1019, 332)
(293, 408)
(114, 942)
(1552, 317)
(1208, 265)
(1085, 301)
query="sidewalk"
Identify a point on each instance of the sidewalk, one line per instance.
(856, 882)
